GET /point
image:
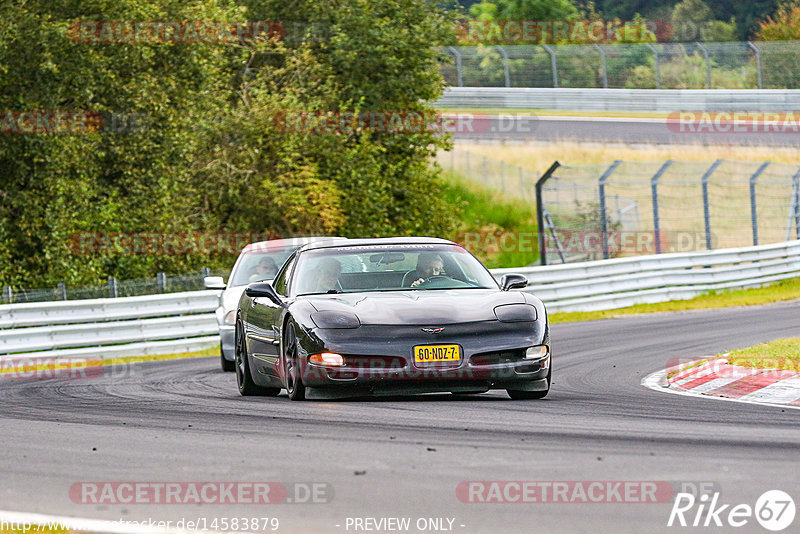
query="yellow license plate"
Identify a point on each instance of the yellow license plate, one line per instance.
(437, 353)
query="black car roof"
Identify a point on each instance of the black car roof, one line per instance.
(377, 241)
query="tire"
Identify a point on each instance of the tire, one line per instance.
(247, 387)
(294, 382)
(530, 395)
(227, 365)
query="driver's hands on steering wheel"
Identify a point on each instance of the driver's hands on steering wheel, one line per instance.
(417, 282)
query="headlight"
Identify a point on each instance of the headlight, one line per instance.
(230, 317)
(515, 313)
(537, 353)
(331, 319)
(330, 359)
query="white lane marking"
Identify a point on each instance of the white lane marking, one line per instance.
(787, 390)
(656, 380)
(81, 524)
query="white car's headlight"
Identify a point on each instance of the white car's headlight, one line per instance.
(230, 317)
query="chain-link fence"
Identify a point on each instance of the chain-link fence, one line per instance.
(729, 65)
(162, 283)
(631, 208)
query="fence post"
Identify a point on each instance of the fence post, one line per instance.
(62, 290)
(8, 294)
(161, 281)
(706, 204)
(708, 64)
(758, 61)
(553, 64)
(540, 208)
(457, 55)
(654, 192)
(603, 217)
(657, 70)
(605, 65)
(753, 209)
(506, 69)
(112, 287)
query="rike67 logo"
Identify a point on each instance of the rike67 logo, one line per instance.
(774, 510)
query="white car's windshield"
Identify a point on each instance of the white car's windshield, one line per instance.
(259, 265)
(389, 268)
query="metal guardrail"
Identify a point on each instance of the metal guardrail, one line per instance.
(647, 100)
(183, 322)
(615, 283)
(152, 324)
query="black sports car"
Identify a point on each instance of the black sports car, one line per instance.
(390, 316)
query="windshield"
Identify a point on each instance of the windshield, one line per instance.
(389, 268)
(259, 265)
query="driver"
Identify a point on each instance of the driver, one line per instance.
(428, 264)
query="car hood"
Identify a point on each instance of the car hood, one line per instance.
(419, 307)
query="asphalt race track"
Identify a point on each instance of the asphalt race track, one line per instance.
(404, 457)
(609, 130)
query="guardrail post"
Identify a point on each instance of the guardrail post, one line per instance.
(161, 281)
(553, 64)
(506, 69)
(603, 217)
(605, 65)
(205, 271)
(657, 67)
(8, 294)
(753, 208)
(758, 61)
(540, 208)
(706, 205)
(459, 75)
(708, 64)
(654, 192)
(62, 291)
(112, 287)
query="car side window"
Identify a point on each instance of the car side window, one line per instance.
(282, 278)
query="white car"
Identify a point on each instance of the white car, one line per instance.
(257, 262)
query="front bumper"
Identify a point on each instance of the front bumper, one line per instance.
(380, 362)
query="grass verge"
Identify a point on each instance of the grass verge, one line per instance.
(538, 156)
(781, 354)
(499, 230)
(780, 291)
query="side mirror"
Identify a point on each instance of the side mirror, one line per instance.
(213, 282)
(513, 281)
(263, 289)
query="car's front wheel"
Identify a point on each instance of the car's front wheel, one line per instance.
(228, 366)
(528, 395)
(242, 367)
(294, 382)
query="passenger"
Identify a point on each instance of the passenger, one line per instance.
(327, 276)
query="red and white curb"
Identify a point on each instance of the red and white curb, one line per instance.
(716, 378)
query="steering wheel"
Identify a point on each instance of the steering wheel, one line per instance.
(434, 278)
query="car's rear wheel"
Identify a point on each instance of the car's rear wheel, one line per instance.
(294, 382)
(227, 365)
(242, 367)
(528, 395)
